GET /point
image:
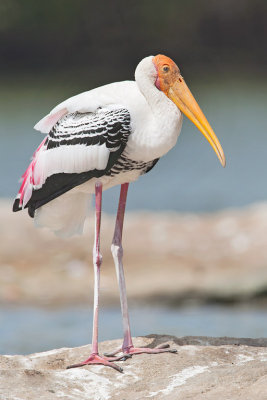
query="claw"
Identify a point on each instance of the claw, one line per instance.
(125, 357)
(72, 366)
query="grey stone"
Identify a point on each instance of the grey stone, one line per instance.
(203, 368)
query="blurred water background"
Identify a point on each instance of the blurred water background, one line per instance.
(55, 50)
(30, 329)
(190, 177)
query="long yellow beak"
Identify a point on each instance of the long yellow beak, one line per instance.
(181, 95)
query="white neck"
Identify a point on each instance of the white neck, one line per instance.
(160, 131)
(145, 76)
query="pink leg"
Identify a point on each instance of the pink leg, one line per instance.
(94, 357)
(117, 252)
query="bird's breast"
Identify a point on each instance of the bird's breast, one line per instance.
(153, 135)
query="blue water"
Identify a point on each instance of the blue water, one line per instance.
(190, 177)
(26, 330)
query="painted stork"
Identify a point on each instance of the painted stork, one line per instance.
(104, 137)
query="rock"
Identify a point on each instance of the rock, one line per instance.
(202, 257)
(203, 368)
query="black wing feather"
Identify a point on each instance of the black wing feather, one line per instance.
(108, 127)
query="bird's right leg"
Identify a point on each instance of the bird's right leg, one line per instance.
(94, 357)
(127, 347)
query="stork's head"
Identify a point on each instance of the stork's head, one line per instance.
(172, 84)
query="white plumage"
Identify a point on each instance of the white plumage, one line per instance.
(155, 124)
(156, 121)
(65, 215)
(78, 159)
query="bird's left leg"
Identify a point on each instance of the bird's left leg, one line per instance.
(117, 252)
(94, 357)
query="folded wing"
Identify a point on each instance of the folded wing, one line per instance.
(80, 146)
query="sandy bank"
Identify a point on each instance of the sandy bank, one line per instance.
(168, 258)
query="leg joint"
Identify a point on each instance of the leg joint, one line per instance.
(116, 250)
(97, 259)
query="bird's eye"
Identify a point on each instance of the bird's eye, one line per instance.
(166, 68)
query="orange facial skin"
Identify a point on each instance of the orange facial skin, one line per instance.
(168, 72)
(172, 84)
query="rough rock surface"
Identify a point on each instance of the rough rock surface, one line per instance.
(203, 368)
(168, 257)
